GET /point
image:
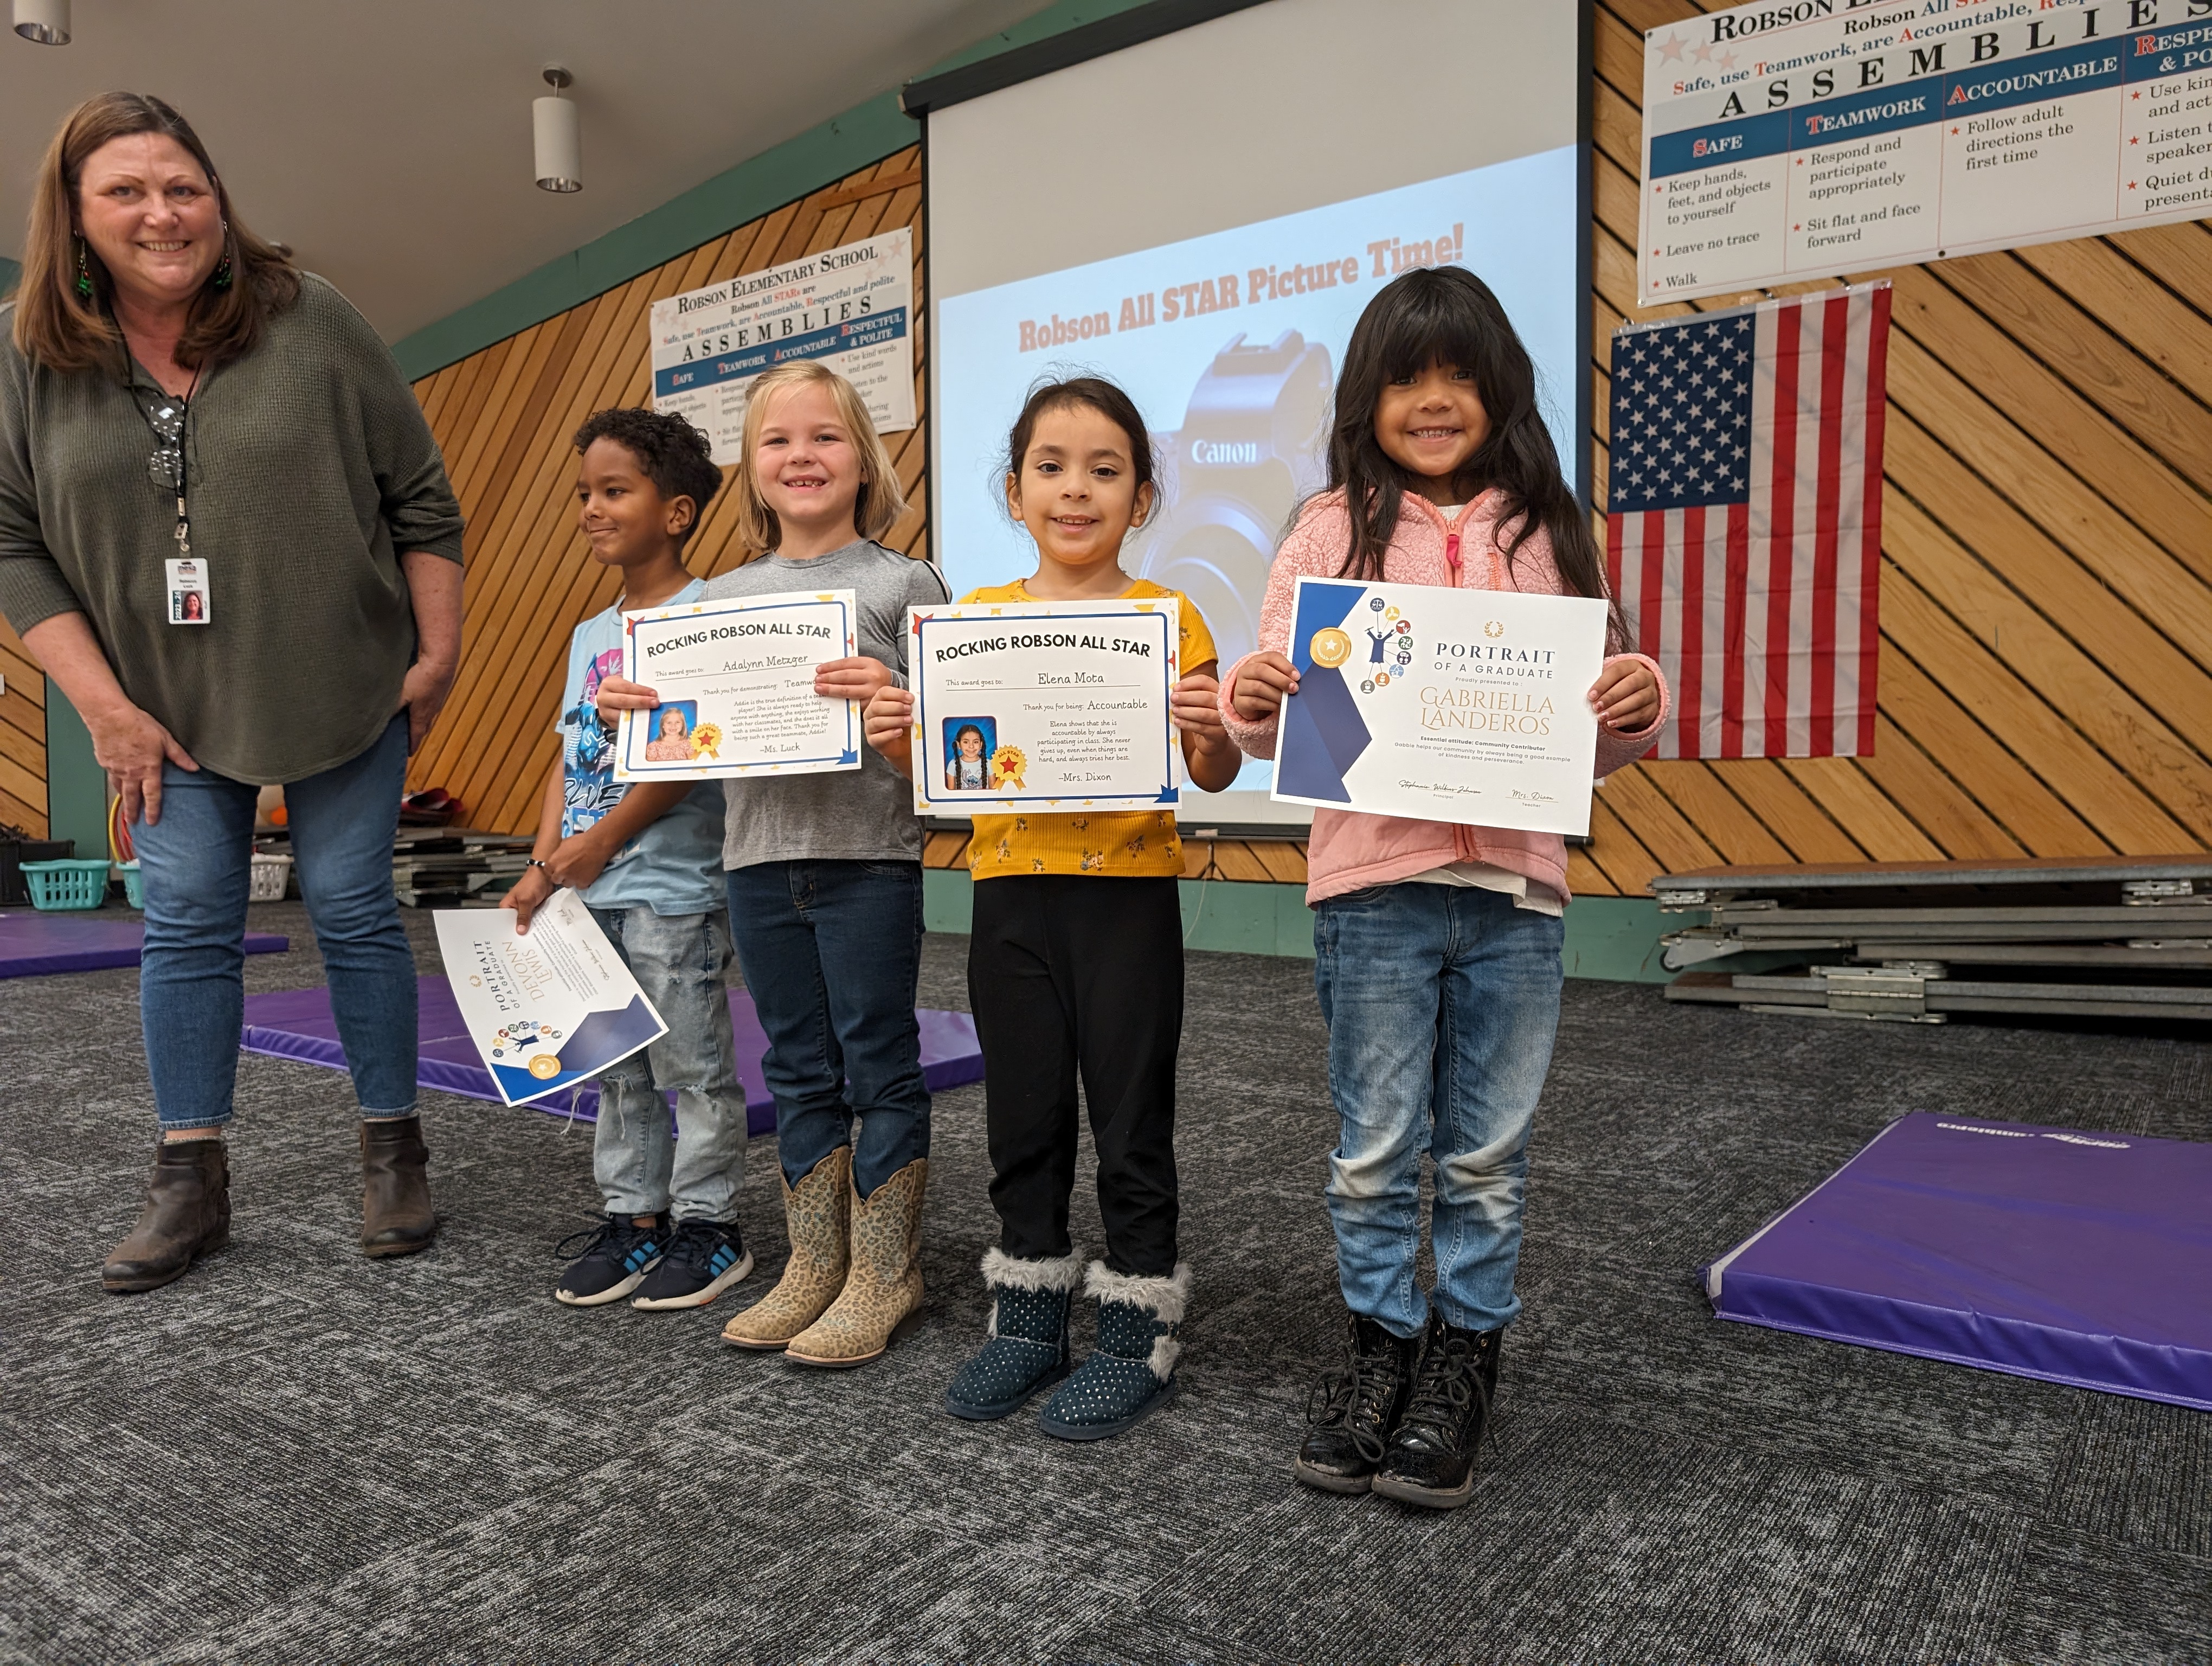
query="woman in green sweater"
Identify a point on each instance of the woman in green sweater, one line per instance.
(226, 534)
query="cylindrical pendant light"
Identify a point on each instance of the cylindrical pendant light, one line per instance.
(46, 21)
(559, 136)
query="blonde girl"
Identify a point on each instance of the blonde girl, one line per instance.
(825, 876)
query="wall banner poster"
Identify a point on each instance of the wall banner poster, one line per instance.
(853, 307)
(1789, 139)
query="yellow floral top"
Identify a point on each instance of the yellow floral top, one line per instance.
(1124, 843)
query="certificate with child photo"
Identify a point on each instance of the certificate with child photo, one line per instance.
(736, 682)
(1034, 705)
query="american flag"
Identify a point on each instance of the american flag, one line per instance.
(1743, 531)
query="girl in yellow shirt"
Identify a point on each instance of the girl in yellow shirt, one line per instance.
(1071, 977)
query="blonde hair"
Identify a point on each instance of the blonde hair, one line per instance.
(64, 330)
(880, 502)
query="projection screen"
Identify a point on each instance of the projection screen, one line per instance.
(1201, 216)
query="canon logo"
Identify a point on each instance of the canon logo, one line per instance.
(1225, 453)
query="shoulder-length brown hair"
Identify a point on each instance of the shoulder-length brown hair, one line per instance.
(65, 330)
(880, 502)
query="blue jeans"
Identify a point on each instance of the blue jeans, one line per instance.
(831, 954)
(642, 1168)
(1442, 1003)
(196, 864)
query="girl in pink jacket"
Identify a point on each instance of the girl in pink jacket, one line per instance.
(1436, 947)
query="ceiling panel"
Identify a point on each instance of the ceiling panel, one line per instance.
(389, 143)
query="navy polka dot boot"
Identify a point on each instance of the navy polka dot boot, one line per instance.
(1028, 1346)
(1132, 1372)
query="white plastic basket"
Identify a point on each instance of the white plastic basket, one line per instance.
(270, 874)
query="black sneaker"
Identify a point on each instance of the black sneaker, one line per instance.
(703, 1259)
(1352, 1409)
(1431, 1457)
(616, 1255)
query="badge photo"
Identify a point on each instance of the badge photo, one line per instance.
(187, 589)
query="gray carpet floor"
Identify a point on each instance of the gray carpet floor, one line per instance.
(298, 1454)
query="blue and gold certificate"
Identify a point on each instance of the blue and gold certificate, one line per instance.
(1442, 705)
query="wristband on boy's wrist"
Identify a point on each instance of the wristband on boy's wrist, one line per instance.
(536, 862)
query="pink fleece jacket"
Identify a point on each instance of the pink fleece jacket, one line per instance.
(1351, 850)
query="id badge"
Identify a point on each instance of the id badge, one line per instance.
(189, 601)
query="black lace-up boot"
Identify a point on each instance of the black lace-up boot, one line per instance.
(1352, 1409)
(1430, 1461)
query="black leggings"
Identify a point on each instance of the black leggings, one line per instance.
(1068, 972)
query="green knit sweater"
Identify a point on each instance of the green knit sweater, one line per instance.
(310, 469)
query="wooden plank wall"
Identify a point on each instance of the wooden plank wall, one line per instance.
(2046, 655)
(503, 417)
(22, 737)
(2046, 589)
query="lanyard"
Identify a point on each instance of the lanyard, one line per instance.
(170, 419)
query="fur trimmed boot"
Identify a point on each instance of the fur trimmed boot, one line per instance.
(882, 1297)
(187, 1215)
(1131, 1374)
(818, 1214)
(1028, 1346)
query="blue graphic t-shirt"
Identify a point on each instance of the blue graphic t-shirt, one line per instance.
(675, 865)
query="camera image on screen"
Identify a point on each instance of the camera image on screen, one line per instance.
(1251, 448)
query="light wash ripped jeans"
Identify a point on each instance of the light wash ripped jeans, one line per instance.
(1441, 1002)
(642, 1168)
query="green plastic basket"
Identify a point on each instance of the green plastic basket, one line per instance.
(66, 887)
(134, 884)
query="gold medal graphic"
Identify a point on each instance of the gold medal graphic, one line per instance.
(545, 1066)
(1330, 646)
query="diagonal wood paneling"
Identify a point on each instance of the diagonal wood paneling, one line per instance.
(2046, 608)
(2046, 670)
(504, 417)
(22, 737)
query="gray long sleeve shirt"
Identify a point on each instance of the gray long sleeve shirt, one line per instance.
(864, 815)
(310, 469)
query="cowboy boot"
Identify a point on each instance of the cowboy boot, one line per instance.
(396, 1217)
(882, 1297)
(816, 1213)
(187, 1215)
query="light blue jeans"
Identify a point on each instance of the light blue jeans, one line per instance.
(1442, 1003)
(197, 863)
(644, 1168)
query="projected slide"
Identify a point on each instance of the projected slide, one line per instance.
(1229, 343)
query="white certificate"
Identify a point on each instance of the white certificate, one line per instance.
(1044, 706)
(1442, 705)
(736, 681)
(546, 1009)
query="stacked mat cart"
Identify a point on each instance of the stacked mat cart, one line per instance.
(1914, 943)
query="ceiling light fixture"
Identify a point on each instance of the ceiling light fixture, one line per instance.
(46, 21)
(558, 133)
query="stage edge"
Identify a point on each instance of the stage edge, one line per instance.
(1615, 938)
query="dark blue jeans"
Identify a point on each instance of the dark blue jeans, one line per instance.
(831, 954)
(197, 863)
(1442, 1003)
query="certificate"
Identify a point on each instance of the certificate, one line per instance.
(1044, 706)
(548, 1009)
(736, 681)
(1442, 705)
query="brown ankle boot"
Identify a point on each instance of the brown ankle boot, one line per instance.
(187, 1214)
(396, 1218)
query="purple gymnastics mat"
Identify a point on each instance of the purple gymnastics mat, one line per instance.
(296, 1024)
(34, 944)
(2079, 1258)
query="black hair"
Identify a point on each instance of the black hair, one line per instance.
(1103, 397)
(676, 457)
(1447, 315)
(967, 729)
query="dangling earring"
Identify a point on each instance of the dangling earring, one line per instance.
(223, 267)
(83, 272)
